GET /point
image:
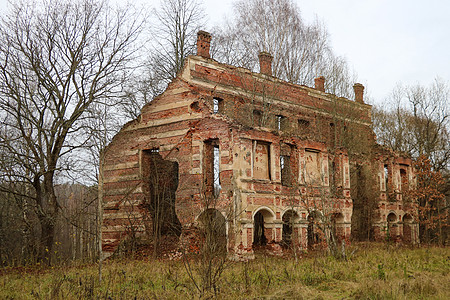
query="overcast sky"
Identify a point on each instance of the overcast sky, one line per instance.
(384, 41)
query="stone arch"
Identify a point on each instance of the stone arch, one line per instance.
(212, 225)
(314, 233)
(391, 220)
(290, 217)
(338, 226)
(391, 217)
(261, 233)
(407, 228)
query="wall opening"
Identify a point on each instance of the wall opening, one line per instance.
(261, 232)
(391, 226)
(257, 117)
(314, 233)
(161, 183)
(218, 105)
(386, 177)
(337, 226)
(212, 168)
(403, 179)
(285, 165)
(332, 136)
(303, 127)
(332, 168)
(213, 227)
(282, 123)
(407, 228)
(259, 237)
(288, 164)
(289, 218)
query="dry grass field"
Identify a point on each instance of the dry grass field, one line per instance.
(373, 271)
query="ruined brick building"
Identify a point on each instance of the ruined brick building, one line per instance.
(264, 158)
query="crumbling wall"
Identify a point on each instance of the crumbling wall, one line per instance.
(256, 150)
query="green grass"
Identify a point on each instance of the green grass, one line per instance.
(373, 272)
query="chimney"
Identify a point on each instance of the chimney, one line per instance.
(265, 63)
(359, 92)
(319, 83)
(203, 43)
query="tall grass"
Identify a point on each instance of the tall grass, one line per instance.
(373, 272)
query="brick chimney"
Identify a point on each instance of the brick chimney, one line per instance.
(265, 63)
(319, 83)
(203, 44)
(359, 92)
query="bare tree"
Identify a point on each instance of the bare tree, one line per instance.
(175, 24)
(57, 58)
(301, 51)
(418, 123)
(175, 36)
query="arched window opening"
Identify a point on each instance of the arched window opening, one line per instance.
(337, 226)
(261, 233)
(289, 219)
(407, 229)
(391, 226)
(314, 233)
(213, 227)
(259, 238)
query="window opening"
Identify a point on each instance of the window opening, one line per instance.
(285, 163)
(303, 124)
(337, 226)
(217, 105)
(216, 170)
(386, 177)
(281, 122)
(332, 135)
(403, 180)
(259, 238)
(211, 170)
(391, 226)
(160, 186)
(313, 229)
(213, 228)
(289, 218)
(303, 127)
(257, 117)
(407, 229)
(333, 176)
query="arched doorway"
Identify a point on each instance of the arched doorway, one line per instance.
(213, 227)
(391, 226)
(337, 226)
(314, 218)
(261, 232)
(289, 218)
(407, 228)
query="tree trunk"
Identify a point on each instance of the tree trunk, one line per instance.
(47, 238)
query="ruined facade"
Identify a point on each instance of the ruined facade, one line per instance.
(267, 160)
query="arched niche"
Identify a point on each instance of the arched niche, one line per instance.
(261, 218)
(290, 217)
(212, 225)
(408, 228)
(314, 232)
